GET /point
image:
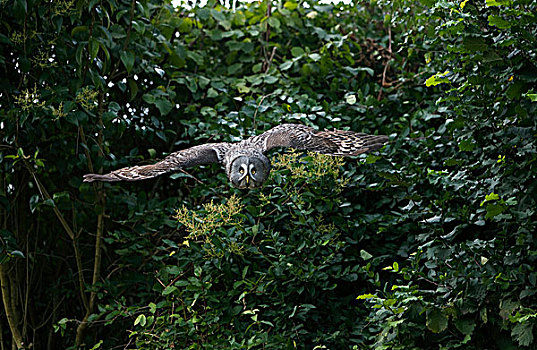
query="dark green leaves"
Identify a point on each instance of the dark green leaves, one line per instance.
(20, 7)
(523, 333)
(127, 58)
(474, 43)
(432, 233)
(437, 320)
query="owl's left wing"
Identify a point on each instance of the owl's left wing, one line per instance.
(197, 155)
(332, 142)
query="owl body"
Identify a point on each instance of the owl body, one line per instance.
(245, 162)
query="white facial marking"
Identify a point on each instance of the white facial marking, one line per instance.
(243, 171)
(251, 169)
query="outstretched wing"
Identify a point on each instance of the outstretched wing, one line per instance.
(197, 155)
(332, 142)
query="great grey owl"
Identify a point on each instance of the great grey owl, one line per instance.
(245, 162)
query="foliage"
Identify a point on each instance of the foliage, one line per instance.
(427, 243)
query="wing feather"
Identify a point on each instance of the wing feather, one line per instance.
(332, 142)
(197, 155)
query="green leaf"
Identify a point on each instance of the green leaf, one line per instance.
(297, 51)
(234, 68)
(290, 5)
(515, 90)
(464, 326)
(212, 93)
(491, 197)
(494, 209)
(17, 253)
(185, 25)
(366, 296)
(365, 255)
(286, 65)
(438, 78)
(79, 29)
(472, 43)
(437, 320)
(20, 8)
(350, 99)
(169, 290)
(127, 58)
(141, 320)
(164, 106)
(467, 145)
(93, 47)
(152, 307)
(523, 333)
(274, 22)
(60, 195)
(532, 97)
(498, 22)
(98, 345)
(149, 98)
(221, 19)
(497, 2)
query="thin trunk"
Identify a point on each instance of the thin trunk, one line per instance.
(100, 202)
(7, 289)
(9, 307)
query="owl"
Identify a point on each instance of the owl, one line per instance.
(245, 162)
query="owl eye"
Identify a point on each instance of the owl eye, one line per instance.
(241, 171)
(253, 171)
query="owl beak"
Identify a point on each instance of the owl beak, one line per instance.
(247, 179)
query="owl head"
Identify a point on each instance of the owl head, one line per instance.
(248, 169)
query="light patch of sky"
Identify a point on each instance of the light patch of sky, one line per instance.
(233, 3)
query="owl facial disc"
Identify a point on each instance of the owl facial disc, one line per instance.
(249, 170)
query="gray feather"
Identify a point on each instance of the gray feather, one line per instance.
(197, 155)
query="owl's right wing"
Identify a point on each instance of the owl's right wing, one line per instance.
(332, 142)
(197, 155)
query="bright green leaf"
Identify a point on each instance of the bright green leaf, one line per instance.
(365, 255)
(497, 2)
(366, 296)
(498, 22)
(141, 320)
(438, 78)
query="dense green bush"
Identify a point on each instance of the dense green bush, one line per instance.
(428, 243)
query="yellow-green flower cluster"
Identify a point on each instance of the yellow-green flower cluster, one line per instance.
(211, 217)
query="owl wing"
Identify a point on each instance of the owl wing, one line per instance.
(332, 142)
(197, 155)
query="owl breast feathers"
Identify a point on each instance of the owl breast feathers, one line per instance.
(245, 162)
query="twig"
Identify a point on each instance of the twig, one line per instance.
(387, 65)
(269, 61)
(257, 108)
